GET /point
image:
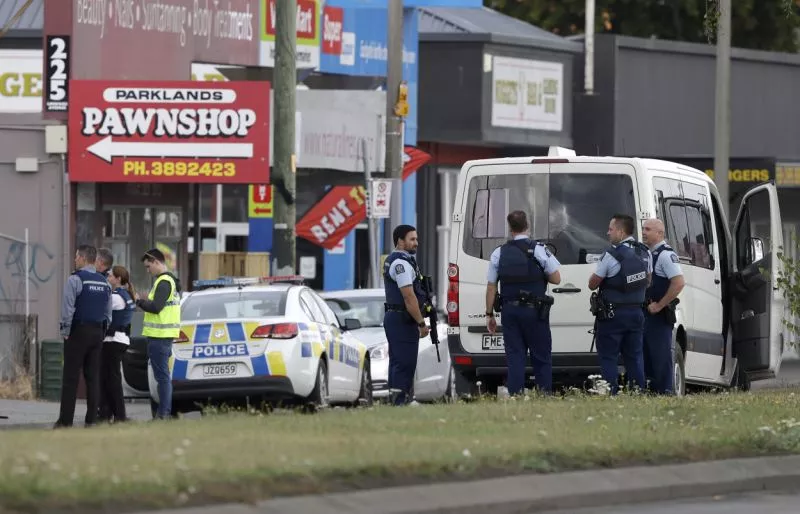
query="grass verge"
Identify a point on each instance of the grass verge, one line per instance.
(244, 457)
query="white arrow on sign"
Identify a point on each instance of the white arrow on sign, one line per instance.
(107, 149)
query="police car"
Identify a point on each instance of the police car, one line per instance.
(268, 339)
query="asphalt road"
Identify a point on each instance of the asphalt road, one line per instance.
(771, 503)
(789, 375)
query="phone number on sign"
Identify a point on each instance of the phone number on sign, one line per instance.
(180, 169)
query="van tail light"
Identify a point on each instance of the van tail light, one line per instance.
(452, 295)
(278, 331)
(182, 338)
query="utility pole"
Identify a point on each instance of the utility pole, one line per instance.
(284, 260)
(588, 43)
(394, 154)
(722, 110)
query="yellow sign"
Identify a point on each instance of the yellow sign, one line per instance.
(259, 201)
(401, 107)
(787, 174)
(744, 175)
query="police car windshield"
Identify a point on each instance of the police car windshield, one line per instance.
(235, 304)
(366, 309)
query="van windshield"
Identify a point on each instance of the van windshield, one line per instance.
(571, 211)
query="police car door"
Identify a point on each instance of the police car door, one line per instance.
(337, 379)
(583, 197)
(756, 303)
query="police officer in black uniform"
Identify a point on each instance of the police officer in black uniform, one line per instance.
(523, 267)
(85, 314)
(660, 318)
(403, 321)
(622, 275)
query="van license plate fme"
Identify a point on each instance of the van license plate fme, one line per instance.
(492, 342)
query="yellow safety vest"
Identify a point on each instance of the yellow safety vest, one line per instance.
(167, 323)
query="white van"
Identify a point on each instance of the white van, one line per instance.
(729, 328)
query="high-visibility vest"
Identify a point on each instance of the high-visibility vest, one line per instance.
(167, 323)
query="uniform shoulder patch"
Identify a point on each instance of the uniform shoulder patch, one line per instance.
(399, 268)
(673, 257)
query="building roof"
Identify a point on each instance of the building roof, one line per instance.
(31, 21)
(487, 25)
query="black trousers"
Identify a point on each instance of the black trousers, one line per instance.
(81, 350)
(112, 401)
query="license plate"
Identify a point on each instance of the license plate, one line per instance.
(219, 370)
(492, 342)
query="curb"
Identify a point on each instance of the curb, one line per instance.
(537, 493)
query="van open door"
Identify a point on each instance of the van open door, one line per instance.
(757, 305)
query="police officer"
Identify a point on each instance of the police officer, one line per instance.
(104, 261)
(161, 326)
(85, 314)
(666, 285)
(523, 267)
(403, 321)
(622, 275)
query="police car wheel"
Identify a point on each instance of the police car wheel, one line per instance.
(365, 393)
(318, 399)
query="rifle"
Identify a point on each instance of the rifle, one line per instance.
(429, 311)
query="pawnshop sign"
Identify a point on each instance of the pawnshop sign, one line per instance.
(169, 131)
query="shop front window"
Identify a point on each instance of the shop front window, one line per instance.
(234, 203)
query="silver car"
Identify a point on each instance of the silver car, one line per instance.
(434, 381)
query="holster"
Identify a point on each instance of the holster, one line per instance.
(599, 308)
(669, 312)
(498, 303)
(544, 305)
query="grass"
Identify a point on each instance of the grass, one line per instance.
(241, 457)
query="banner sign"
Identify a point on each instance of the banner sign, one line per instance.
(307, 30)
(334, 216)
(259, 203)
(344, 207)
(169, 131)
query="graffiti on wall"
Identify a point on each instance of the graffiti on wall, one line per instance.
(41, 269)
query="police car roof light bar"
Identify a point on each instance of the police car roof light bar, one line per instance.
(292, 279)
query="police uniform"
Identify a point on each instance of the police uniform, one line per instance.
(624, 269)
(523, 265)
(117, 340)
(402, 331)
(85, 313)
(161, 326)
(658, 361)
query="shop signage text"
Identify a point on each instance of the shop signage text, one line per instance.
(334, 216)
(307, 28)
(162, 131)
(20, 81)
(527, 94)
(152, 39)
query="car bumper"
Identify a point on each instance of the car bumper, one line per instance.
(477, 365)
(271, 387)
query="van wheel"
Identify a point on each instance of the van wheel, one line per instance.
(679, 373)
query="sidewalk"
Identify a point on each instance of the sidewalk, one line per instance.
(42, 414)
(537, 493)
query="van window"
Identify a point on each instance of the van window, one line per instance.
(698, 219)
(673, 212)
(570, 210)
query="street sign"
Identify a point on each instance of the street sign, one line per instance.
(259, 201)
(380, 196)
(169, 131)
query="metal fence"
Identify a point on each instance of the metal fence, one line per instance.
(791, 248)
(18, 346)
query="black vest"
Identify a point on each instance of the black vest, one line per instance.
(519, 270)
(660, 284)
(627, 287)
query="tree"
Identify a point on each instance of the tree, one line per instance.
(757, 24)
(788, 282)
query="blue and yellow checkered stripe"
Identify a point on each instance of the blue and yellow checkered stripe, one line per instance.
(266, 364)
(334, 346)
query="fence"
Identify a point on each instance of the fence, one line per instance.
(791, 248)
(18, 327)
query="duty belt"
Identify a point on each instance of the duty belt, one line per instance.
(394, 307)
(640, 305)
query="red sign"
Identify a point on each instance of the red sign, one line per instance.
(306, 24)
(152, 40)
(332, 23)
(334, 216)
(344, 207)
(169, 131)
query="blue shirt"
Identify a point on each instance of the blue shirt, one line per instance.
(540, 253)
(401, 271)
(71, 292)
(667, 264)
(608, 266)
